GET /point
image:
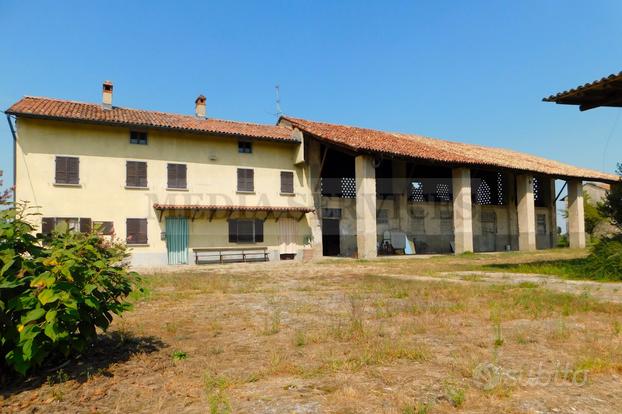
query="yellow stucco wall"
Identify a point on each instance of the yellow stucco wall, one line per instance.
(212, 163)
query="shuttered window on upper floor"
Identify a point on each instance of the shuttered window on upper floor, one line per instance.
(287, 182)
(177, 176)
(67, 170)
(136, 174)
(246, 180)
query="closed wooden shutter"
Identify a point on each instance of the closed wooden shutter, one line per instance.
(105, 228)
(85, 225)
(258, 231)
(141, 172)
(61, 170)
(67, 170)
(136, 231)
(47, 225)
(177, 176)
(287, 182)
(233, 231)
(246, 180)
(73, 170)
(136, 174)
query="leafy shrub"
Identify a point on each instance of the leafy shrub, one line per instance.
(605, 260)
(55, 291)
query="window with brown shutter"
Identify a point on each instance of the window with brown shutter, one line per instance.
(136, 231)
(136, 174)
(246, 180)
(67, 170)
(85, 225)
(104, 228)
(47, 225)
(287, 182)
(176, 176)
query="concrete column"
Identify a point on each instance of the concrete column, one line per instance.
(576, 218)
(366, 238)
(313, 219)
(526, 213)
(400, 200)
(463, 219)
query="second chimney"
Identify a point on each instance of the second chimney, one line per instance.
(199, 107)
(107, 95)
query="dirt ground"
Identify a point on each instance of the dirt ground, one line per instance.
(408, 335)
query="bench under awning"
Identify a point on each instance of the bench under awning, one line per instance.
(270, 211)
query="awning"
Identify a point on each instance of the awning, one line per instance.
(271, 211)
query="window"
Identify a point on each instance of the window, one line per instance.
(136, 174)
(104, 228)
(177, 176)
(246, 178)
(65, 224)
(287, 182)
(138, 137)
(245, 147)
(136, 229)
(415, 191)
(67, 170)
(245, 231)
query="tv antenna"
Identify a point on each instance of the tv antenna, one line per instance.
(277, 88)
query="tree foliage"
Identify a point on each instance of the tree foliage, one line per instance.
(55, 291)
(612, 205)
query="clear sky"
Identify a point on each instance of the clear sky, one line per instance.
(473, 71)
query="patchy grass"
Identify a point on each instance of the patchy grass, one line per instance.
(346, 336)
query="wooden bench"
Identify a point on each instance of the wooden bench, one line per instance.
(205, 255)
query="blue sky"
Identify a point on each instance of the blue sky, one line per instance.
(470, 71)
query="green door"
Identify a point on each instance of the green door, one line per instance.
(177, 240)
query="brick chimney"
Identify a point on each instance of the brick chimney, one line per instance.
(199, 107)
(107, 95)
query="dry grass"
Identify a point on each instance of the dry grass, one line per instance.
(350, 336)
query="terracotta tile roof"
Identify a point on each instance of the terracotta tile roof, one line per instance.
(608, 84)
(432, 149)
(229, 207)
(57, 109)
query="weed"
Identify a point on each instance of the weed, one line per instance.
(616, 327)
(272, 321)
(179, 355)
(300, 338)
(455, 396)
(418, 408)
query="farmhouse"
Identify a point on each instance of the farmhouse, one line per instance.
(186, 188)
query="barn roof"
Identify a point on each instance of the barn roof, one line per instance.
(437, 150)
(606, 91)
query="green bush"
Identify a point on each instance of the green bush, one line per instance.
(55, 291)
(605, 260)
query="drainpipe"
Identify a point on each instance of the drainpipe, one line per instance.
(12, 127)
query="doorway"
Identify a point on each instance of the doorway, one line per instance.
(177, 240)
(489, 232)
(330, 237)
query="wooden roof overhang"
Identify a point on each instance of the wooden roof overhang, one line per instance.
(270, 211)
(604, 92)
